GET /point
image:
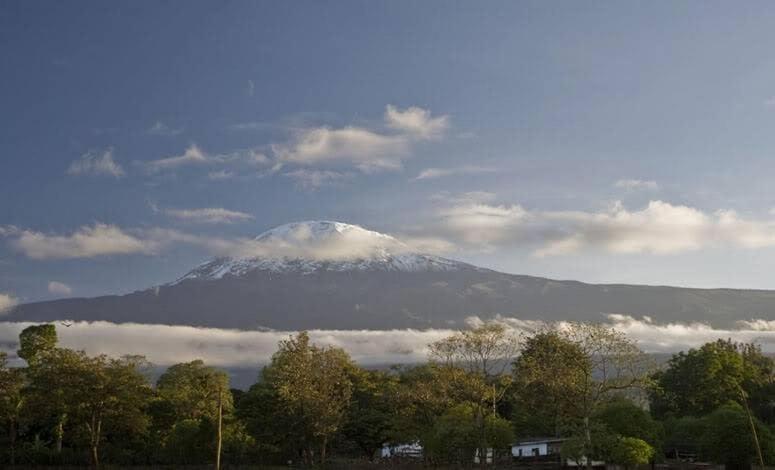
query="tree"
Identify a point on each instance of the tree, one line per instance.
(52, 390)
(314, 390)
(548, 384)
(36, 341)
(728, 439)
(199, 396)
(11, 401)
(699, 381)
(475, 360)
(627, 419)
(192, 388)
(110, 395)
(602, 362)
(370, 422)
(630, 451)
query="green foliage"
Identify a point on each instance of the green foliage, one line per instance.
(69, 408)
(623, 417)
(313, 388)
(12, 382)
(701, 380)
(194, 389)
(35, 341)
(629, 451)
(728, 438)
(684, 434)
(455, 435)
(548, 384)
(369, 422)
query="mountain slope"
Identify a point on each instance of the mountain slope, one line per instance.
(370, 280)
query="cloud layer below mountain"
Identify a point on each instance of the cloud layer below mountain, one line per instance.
(166, 344)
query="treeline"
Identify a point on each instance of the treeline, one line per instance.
(482, 389)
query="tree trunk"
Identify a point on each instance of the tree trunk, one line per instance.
(59, 432)
(95, 458)
(96, 430)
(220, 432)
(323, 451)
(12, 432)
(588, 446)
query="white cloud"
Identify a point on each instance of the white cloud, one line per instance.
(194, 155)
(9, 230)
(104, 240)
(159, 128)
(86, 242)
(208, 215)
(7, 302)
(251, 88)
(368, 150)
(433, 173)
(313, 180)
(59, 288)
(220, 175)
(166, 344)
(659, 228)
(96, 163)
(633, 185)
(416, 121)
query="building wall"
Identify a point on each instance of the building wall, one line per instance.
(527, 450)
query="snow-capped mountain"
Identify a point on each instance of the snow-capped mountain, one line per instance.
(312, 246)
(330, 275)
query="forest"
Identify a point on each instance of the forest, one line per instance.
(480, 391)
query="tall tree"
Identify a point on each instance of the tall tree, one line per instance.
(35, 341)
(369, 423)
(314, 389)
(110, 394)
(11, 401)
(548, 384)
(602, 361)
(475, 360)
(701, 380)
(199, 397)
(193, 388)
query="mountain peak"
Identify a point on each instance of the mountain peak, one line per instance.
(323, 245)
(312, 230)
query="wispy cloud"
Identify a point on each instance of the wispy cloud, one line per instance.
(96, 163)
(368, 150)
(159, 128)
(433, 173)
(208, 215)
(416, 121)
(86, 242)
(166, 344)
(192, 156)
(7, 302)
(195, 156)
(658, 228)
(634, 184)
(220, 175)
(59, 288)
(312, 180)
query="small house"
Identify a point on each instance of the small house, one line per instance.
(537, 447)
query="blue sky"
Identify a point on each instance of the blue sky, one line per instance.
(599, 141)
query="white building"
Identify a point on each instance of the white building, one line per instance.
(537, 447)
(413, 450)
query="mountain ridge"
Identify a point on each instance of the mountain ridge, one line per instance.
(359, 279)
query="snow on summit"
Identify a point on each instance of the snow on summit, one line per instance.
(310, 246)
